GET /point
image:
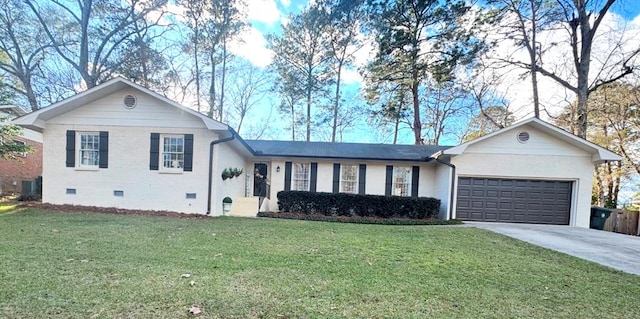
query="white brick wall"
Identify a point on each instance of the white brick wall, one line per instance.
(128, 171)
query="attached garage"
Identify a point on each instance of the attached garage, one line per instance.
(530, 172)
(514, 200)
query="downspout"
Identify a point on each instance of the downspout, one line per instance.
(453, 182)
(213, 143)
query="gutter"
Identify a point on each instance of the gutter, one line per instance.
(453, 180)
(211, 145)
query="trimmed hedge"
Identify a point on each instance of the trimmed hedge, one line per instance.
(341, 204)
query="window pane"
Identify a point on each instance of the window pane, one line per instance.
(349, 179)
(300, 176)
(89, 149)
(173, 152)
(401, 181)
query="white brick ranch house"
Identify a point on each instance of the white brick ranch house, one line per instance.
(122, 145)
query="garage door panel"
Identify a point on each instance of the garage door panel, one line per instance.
(477, 193)
(514, 200)
(506, 205)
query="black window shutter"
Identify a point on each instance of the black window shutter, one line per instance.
(313, 181)
(104, 150)
(415, 176)
(287, 176)
(389, 181)
(362, 179)
(336, 177)
(71, 148)
(188, 152)
(154, 152)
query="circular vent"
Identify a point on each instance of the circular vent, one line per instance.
(523, 137)
(130, 101)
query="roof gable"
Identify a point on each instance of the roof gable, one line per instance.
(599, 154)
(37, 120)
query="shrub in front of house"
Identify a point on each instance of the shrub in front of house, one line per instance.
(341, 204)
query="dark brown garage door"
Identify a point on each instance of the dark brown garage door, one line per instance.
(514, 200)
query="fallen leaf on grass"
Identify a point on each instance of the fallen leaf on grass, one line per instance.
(84, 260)
(192, 283)
(185, 275)
(54, 230)
(70, 259)
(195, 310)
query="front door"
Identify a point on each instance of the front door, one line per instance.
(260, 180)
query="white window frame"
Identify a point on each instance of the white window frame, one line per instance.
(174, 163)
(80, 153)
(301, 176)
(401, 183)
(348, 185)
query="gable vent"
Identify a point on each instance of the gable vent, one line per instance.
(130, 101)
(523, 137)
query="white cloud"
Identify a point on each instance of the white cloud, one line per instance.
(252, 46)
(285, 3)
(263, 11)
(350, 76)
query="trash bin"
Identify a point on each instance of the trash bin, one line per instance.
(599, 215)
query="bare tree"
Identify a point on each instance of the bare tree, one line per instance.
(23, 44)
(250, 85)
(521, 21)
(582, 19)
(195, 11)
(90, 32)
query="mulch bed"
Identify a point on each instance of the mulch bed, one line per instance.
(359, 219)
(109, 210)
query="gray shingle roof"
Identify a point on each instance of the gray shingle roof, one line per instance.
(344, 150)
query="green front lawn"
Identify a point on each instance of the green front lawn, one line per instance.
(74, 265)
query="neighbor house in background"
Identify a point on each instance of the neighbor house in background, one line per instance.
(28, 166)
(122, 145)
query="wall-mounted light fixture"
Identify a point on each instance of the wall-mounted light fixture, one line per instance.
(278, 169)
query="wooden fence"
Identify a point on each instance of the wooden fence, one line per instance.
(624, 222)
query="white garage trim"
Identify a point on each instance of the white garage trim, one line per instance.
(575, 186)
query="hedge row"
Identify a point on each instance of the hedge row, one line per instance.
(341, 204)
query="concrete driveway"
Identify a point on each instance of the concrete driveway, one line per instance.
(613, 250)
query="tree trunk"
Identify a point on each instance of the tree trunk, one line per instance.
(336, 103)
(212, 86)
(599, 189)
(417, 124)
(84, 45)
(309, 82)
(395, 130)
(224, 73)
(293, 121)
(534, 61)
(240, 123)
(197, 66)
(31, 96)
(580, 128)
